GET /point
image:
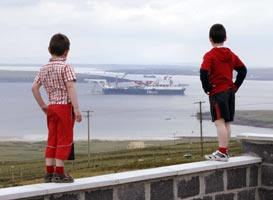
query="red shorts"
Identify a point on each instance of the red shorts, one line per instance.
(60, 123)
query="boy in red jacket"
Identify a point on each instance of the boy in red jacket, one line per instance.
(216, 74)
(58, 79)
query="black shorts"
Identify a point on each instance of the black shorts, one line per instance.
(222, 105)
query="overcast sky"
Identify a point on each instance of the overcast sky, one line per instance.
(135, 31)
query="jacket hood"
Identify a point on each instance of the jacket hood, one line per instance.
(223, 54)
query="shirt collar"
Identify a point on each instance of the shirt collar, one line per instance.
(57, 59)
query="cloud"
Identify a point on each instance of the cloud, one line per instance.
(141, 31)
(18, 3)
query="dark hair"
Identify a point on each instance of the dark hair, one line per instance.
(217, 33)
(58, 44)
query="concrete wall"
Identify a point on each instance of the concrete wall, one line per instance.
(245, 177)
(261, 145)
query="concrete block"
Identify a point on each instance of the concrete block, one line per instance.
(106, 194)
(132, 191)
(265, 151)
(265, 194)
(247, 194)
(267, 175)
(188, 188)
(236, 178)
(214, 182)
(253, 176)
(162, 190)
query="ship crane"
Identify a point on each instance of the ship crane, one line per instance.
(122, 77)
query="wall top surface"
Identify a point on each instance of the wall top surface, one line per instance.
(256, 136)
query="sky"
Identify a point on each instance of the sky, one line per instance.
(135, 31)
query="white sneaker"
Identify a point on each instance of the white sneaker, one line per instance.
(217, 156)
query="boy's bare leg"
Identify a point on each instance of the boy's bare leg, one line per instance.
(228, 132)
(223, 132)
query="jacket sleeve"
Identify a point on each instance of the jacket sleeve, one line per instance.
(241, 74)
(204, 77)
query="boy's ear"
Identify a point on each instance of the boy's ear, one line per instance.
(66, 53)
(211, 40)
(225, 39)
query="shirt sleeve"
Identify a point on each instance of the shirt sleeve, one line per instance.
(238, 62)
(207, 63)
(204, 77)
(38, 78)
(242, 71)
(239, 66)
(69, 74)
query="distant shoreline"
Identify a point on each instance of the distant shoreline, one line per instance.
(263, 74)
(182, 139)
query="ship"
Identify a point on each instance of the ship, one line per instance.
(148, 85)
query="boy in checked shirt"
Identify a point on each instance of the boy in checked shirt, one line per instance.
(58, 78)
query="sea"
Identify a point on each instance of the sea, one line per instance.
(128, 117)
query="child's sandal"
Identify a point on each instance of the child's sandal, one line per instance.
(62, 178)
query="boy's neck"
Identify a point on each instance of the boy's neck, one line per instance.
(61, 57)
(217, 44)
(64, 56)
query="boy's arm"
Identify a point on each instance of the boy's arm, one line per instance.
(204, 77)
(38, 97)
(74, 100)
(241, 74)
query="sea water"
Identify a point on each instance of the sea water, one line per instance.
(128, 117)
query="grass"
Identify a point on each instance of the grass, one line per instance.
(28, 151)
(254, 118)
(257, 118)
(106, 157)
(259, 115)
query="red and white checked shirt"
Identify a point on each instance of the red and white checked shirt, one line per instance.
(53, 77)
